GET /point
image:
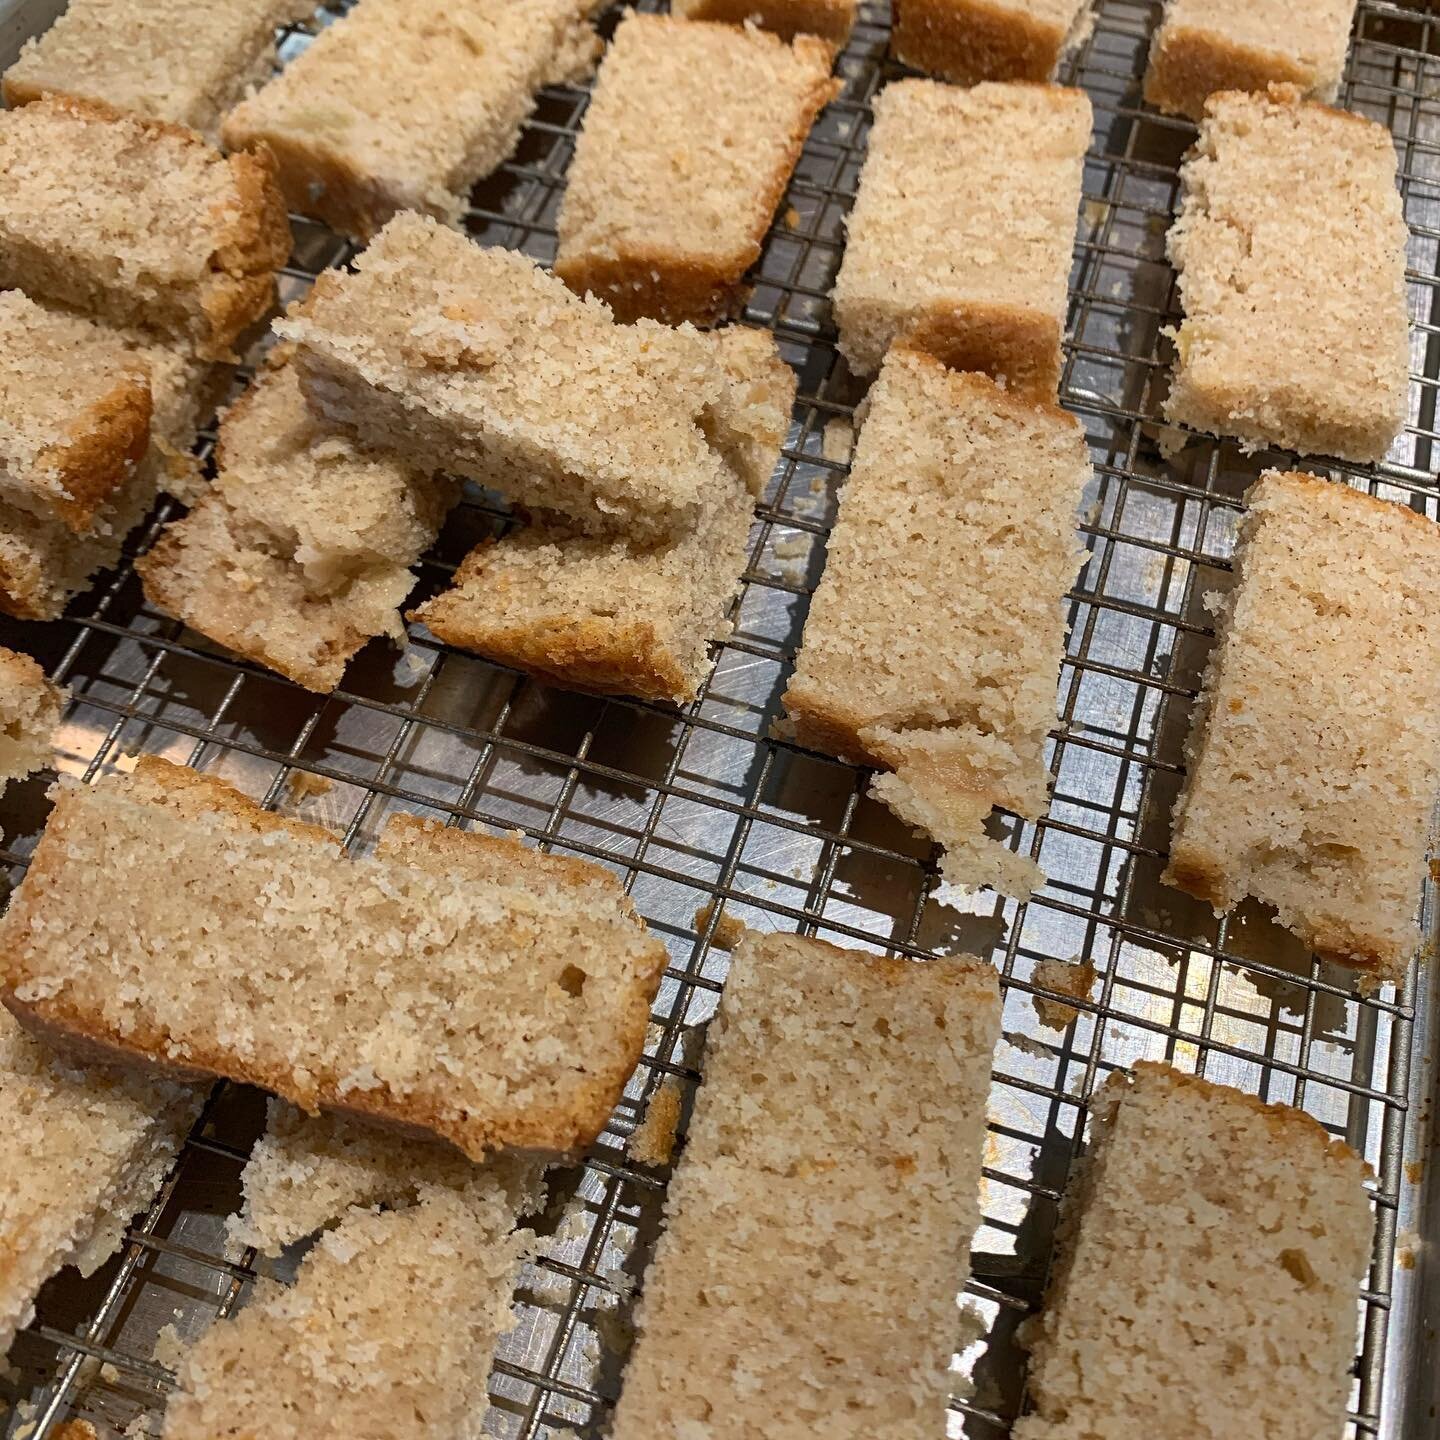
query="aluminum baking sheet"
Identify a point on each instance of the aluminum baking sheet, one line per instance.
(702, 807)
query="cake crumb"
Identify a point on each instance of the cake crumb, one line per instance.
(169, 1347)
(76, 1430)
(1027, 1044)
(728, 928)
(653, 1140)
(1070, 977)
(792, 218)
(304, 784)
(836, 444)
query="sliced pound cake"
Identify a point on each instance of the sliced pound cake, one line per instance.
(817, 1229)
(456, 984)
(934, 640)
(1325, 680)
(1211, 1251)
(961, 237)
(1290, 247)
(688, 144)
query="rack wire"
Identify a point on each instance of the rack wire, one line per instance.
(703, 813)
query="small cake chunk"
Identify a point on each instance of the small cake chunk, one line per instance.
(610, 614)
(30, 708)
(1325, 680)
(166, 59)
(81, 1151)
(961, 236)
(967, 41)
(687, 147)
(301, 551)
(307, 1171)
(138, 222)
(817, 1229)
(388, 1332)
(829, 20)
(454, 984)
(1290, 247)
(1203, 46)
(405, 104)
(934, 641)
(476, 362)
(1210, 1259)
(43, 560)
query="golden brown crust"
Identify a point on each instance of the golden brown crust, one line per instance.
(192, 793)
(105, 444)
(1187, 66)
(602, 657)
(667, 285)
(967, 41)
(1019, 345)
(827, 20)
(318, 180)
(958, 971)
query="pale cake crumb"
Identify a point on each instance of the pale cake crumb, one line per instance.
(497, 996)
(961, 237)
(1210, 1253)
(1332, 634)
(824, 1202)
(81, 1152)
(1203, 46)
(138, 222)
(165, 59)
(616, 615)
(933, 649)
(460, 79)
(1311, 357)
(477, 362)
(652, 1142)
(30, 710)
(686, 149)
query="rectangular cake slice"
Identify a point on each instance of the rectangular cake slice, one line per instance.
(43, 561)
(455, 984)
(1295, 332)
(301, 551)
(387, 1333)
(967, 41)
(687, 147)
(405, 104)
(30, 708)
(1325, 681)
(166, 59)
(614, 615)
(74, 413)
(817, 1229)
(961, 236)
(476, 362)
(828, 20)
(1207, 45)
(1211, 1251)
(138, 222)
(81, 1151)
(934, 640)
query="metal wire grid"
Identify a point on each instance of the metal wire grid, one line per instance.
(703, 808)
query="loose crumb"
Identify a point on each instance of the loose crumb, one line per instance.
(792, 218)
(1028, 1044)
(1414, 1170)
(76, 1430)
(836, 443)
(729, 929)
(304, 784)
(169, 1348)
(653, 1140)
(1069, 977)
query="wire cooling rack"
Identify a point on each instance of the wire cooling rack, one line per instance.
(707, 818)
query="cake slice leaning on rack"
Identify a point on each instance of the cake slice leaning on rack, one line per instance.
(455, 984)
(300, 552)
(475, 362)
(617, 615)
(934, 640)
(97, 421)
(165, 59)
(405, 104)
(824, 1202)
(393, 1318)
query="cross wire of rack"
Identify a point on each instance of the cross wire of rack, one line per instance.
(705, 815)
